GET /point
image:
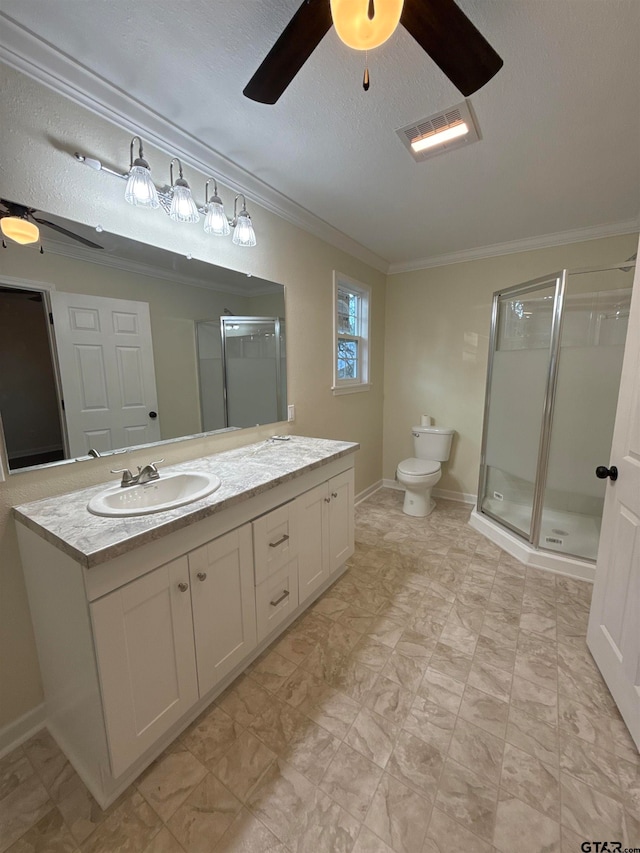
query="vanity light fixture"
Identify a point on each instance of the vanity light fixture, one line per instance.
(140, 189)
(177, 199)
(243, 233)
(183, 207)
(215, 221)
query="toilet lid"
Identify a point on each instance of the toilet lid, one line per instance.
(418, 467)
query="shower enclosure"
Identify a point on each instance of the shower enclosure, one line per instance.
(242, 371)
(555, 361)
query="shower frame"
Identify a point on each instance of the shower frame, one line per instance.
(544, 444)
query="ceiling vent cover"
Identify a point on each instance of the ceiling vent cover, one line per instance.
(428, 129)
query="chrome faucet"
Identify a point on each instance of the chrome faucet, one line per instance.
(95, 454)
(149, 472)
(145, 474)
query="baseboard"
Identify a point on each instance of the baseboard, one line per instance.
(555, 563)
(460, 497)
(445, 494)
(365, 493)
(20, 730)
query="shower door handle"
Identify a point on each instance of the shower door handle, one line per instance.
(602, 473)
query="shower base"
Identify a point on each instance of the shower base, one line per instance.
(579, 533)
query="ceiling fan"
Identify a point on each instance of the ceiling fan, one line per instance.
(439, 26)
(18, 222)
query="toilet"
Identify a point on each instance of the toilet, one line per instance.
(420, 473)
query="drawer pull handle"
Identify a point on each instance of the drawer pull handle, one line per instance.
(183, 587)
(285, 593)
(334, 494)
(279, 541)
(202, 576)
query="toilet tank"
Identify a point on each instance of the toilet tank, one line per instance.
(432, 442)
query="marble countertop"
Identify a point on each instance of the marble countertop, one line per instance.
(65, 521)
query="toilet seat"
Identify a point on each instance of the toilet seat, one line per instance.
(418, 467)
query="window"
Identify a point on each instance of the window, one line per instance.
(350, 335)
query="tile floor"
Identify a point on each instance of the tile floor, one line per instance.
(438, 698)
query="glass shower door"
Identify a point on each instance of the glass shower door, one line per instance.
(524, 328)
(594, 329)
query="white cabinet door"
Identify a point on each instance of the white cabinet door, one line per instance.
(313, 540)
(341, 526)
(146, 659)
(224, 609)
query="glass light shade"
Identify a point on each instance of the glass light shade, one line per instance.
(140, 188)
(243, 233)
(216, 222)
(183, 207)
(20, 230)
(352, 23)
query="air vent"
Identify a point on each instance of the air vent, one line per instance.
(451, 121)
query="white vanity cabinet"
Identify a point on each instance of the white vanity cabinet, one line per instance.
(224, 610)
(325, 531)
(144, 641)
(134, 646)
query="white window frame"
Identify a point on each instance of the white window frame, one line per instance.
(363, 382)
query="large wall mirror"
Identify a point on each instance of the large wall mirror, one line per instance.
(106, 349)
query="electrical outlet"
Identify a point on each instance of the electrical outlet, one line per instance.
(291, 412)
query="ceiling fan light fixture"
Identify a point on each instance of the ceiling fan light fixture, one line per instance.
(358, 28)
(140, 190)
(19, 230)
(439, 137)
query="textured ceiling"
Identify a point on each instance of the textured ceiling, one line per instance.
(560, 123)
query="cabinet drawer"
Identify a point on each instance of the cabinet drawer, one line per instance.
(275, 541)
(276, 598)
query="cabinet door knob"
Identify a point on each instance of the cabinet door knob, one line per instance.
(279, 541)
(183, 587)
(202, 576)
(334, 494)
(327, 500)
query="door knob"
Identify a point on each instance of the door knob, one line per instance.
(153, 415)
(602, 473)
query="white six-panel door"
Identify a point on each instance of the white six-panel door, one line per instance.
(614, 623)
(105, 356)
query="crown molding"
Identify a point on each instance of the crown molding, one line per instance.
(544, 241)
(26, 52)
(92, 256)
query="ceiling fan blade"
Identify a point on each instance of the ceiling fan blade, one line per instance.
(302, 35)
(66, 233)
(443, 30)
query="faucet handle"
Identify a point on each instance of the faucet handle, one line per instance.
(151, 465)
(127, 476)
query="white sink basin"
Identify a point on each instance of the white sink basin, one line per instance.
(170, 491)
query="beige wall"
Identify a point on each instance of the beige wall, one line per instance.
(436, 346)
(38, 135)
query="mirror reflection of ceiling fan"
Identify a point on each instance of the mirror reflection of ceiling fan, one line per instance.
(20, 224)
(439, 26)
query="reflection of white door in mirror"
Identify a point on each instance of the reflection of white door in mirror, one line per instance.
(105, 358)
